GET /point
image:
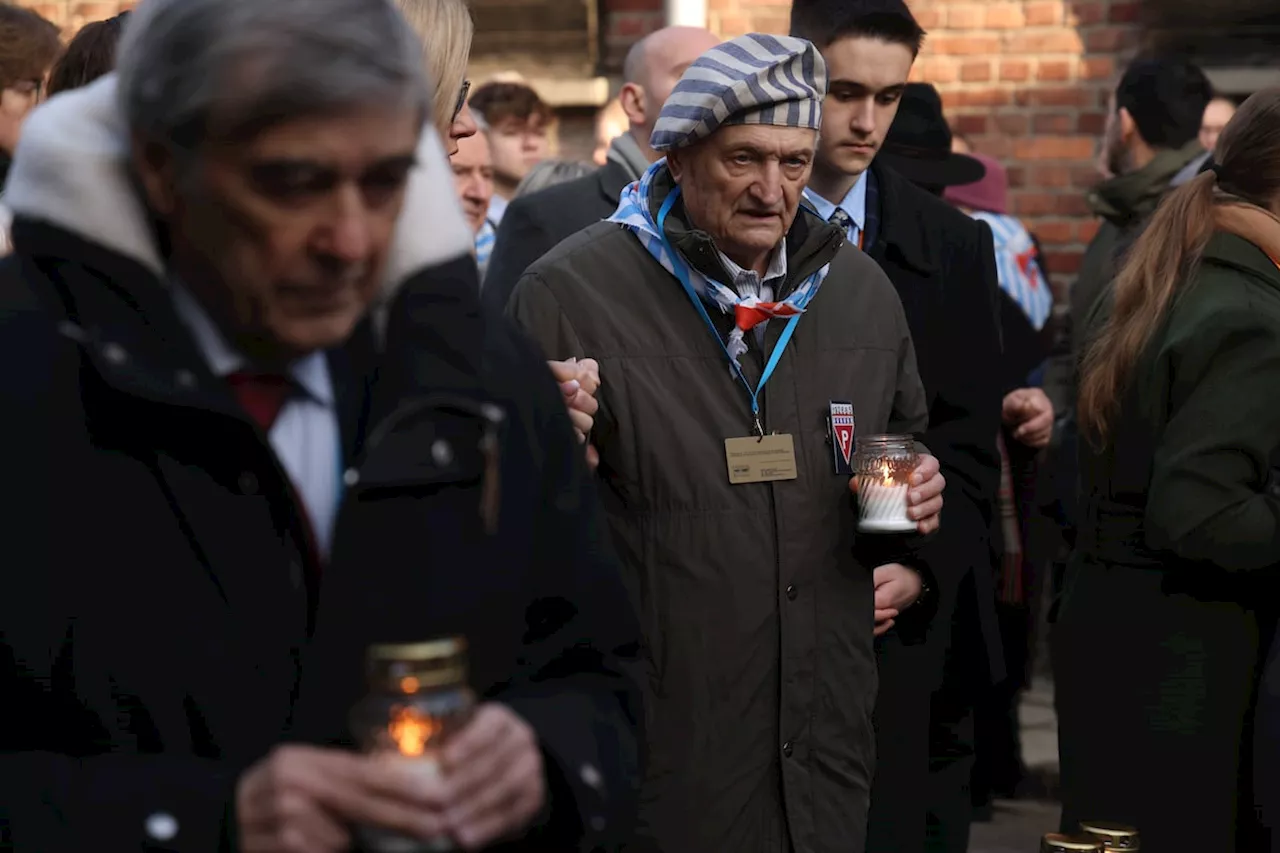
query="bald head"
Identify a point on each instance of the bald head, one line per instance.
(652, 69)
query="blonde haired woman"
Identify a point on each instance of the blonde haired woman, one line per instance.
(445, 28)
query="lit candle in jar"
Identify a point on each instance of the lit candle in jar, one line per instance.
(884, 466)
(418, 698)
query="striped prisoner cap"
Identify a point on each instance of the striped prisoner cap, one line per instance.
(754, 79)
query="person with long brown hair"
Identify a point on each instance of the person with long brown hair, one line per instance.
(90, 55)
(1168, 606)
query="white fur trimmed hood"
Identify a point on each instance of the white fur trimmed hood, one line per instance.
(71, 171)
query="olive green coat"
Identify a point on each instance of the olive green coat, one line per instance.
(1167, 605)
(756, 600)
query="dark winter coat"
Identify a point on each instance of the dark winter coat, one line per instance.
(154, 612)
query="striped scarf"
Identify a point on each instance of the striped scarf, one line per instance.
(634, 213)
(485, 239)
(1020, 275)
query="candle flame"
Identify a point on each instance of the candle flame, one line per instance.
(411, 729)
(888, 474)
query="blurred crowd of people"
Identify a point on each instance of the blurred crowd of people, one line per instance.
(316, 347)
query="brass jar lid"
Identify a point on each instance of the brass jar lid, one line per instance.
(1114, 836)
(409, 667)
(1055, 843)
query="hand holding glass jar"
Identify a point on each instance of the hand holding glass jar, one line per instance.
(482, 766)
(898, 490)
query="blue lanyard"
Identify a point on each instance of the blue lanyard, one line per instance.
(682, 274)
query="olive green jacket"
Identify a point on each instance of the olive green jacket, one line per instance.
(1123, 203)
(1189, 477)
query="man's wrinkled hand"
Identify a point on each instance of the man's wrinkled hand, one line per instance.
(303, 799)
(494, 777)
(896, 588)
(579, 381)
(924, 501)
(1029, 413)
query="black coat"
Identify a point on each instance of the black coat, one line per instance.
(534, 224)
(942, 264)
(154, 611)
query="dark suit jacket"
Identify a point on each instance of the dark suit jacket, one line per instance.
(534, 224)
(154, 634)
(943, 264)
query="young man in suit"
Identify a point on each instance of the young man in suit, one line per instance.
(533, 225)
(943, 266)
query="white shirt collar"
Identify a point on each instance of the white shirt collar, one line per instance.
(854, 203)
(497, 209)
(311, 372)
(748, 280)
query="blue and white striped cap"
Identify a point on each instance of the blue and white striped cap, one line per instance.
(753, 79)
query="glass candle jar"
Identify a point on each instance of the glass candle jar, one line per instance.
(417, 698)
(1114, 836)
(883, 466)
(1055, 843)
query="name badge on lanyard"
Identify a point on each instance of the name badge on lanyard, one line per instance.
(758, 458)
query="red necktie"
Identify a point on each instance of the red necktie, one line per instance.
(262, 395)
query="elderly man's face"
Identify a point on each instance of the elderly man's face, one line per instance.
(473, 178)
(743, 186)
(284, 238)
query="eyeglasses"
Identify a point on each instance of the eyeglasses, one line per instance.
(462, 98)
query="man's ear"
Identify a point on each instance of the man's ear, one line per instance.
(675, 164)
(632, 98)
(1128, 127)
(154, 165)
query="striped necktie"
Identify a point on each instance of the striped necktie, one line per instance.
(845, 223)
(841, 220)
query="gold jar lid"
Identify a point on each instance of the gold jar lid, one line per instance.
(410, 667)
(1055, 843)
(1114, 836)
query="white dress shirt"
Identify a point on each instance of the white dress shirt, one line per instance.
(854, 204)
(305, 436)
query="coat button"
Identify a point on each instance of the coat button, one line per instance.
(791, 592)
(248, 483)
(441, 452)
(185, 379)
(350, 478)
(787, 749)
(591, 777)
(115, 354)
(598, 823)
(295, 574)
(161, 826)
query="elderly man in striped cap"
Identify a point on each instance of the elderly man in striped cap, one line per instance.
(730, 326)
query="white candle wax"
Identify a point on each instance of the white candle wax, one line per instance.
(883, 508)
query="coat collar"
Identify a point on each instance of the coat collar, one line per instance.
(1131, 197)
(1238, 253)
(612, 178)
(903, 223)
(810, 245)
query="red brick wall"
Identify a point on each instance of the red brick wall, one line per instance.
(1027, 81)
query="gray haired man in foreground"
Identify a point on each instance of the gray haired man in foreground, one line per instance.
(226, 481)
